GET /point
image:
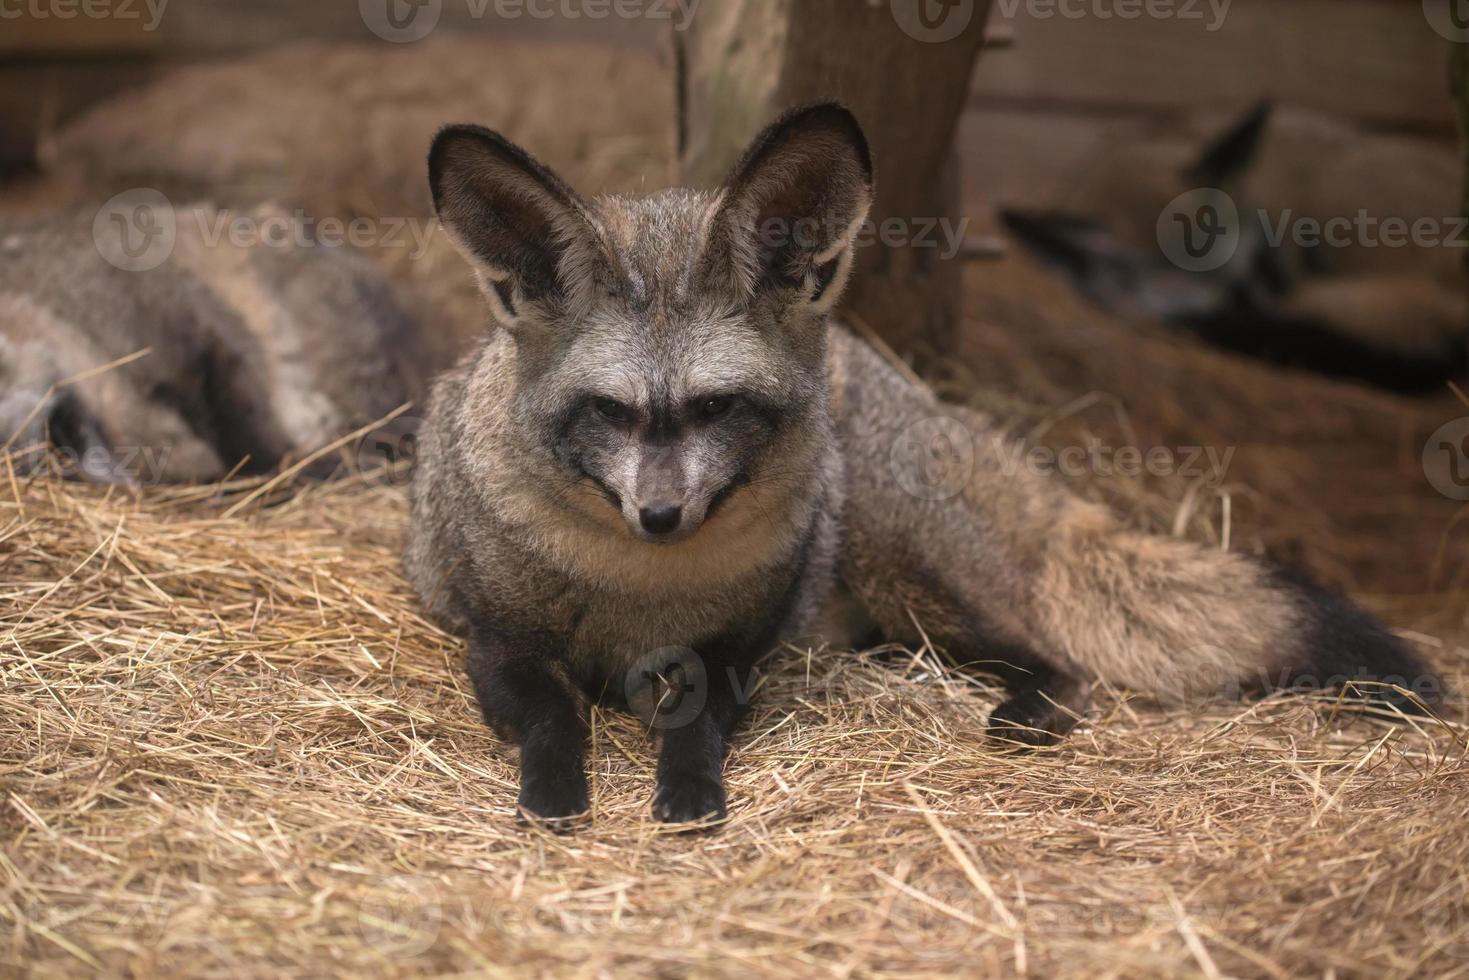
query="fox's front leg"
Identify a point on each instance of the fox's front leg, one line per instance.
(1044, 705)
(527, 699)
(691, 757)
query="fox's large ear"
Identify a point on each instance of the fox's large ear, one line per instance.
(1229, 154)
(523, 229)
(792, 206)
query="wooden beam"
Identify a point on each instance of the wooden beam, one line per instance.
(743, 61)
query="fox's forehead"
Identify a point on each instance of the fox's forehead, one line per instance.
(655, 241)
(663, 336)
(642, 357)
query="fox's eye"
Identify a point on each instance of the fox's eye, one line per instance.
(613, 411)
(712, 408)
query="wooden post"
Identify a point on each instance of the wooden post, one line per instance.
(54, 62)
(1459, 82)
(903, 66)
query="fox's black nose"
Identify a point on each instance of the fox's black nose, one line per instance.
(660, 518)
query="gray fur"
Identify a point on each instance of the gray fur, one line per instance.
(257, 350)
(524, 507)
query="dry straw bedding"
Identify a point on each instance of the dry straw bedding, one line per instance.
(233, 746)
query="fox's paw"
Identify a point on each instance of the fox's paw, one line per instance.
(692, 800)
(1029, 720)
(556, 804)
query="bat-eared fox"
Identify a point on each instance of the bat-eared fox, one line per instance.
(1339, 267)
(250, 351)
(670, 458)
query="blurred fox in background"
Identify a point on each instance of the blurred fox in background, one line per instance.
(1349, 251)
(226, 357)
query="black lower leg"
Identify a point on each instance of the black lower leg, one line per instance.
(1042, 708)
(691, 758)
(526, 700)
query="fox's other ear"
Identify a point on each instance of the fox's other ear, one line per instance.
(1071, 244)
(521, 227)
(1229, 154)
(1113, 274)
(792, 206)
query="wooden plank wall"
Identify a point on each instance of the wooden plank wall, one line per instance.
(52, 66)
(1040, 106)
(1037, 108)
(209, 28)
(58, 62)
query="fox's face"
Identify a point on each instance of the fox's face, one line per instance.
(668, 348)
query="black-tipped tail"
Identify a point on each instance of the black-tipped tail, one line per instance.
(1347, 649)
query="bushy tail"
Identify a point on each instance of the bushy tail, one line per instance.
(1187, 622)
(952, 537)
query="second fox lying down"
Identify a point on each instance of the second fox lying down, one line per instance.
(668, 445)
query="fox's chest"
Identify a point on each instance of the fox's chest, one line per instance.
(610, 632)
(617, 626)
